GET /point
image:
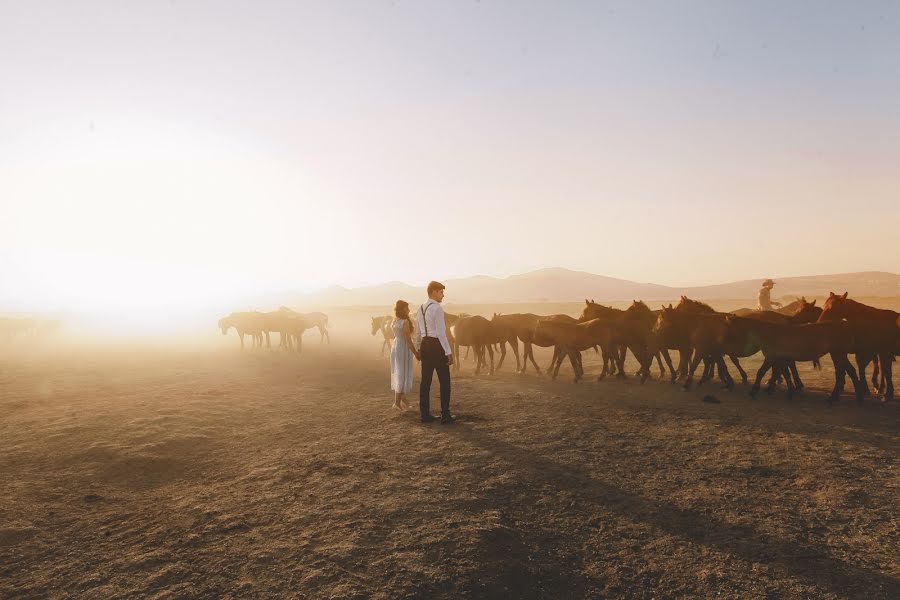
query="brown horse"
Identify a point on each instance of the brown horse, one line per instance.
(640, 317)
(542, 341)
(511, 329)
(572, 339)
(477, 333)
(701, 336)
(627, 335)
(783, 344)
(805, 312)
(875, 335)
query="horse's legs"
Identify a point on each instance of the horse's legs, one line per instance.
(724, 375)
(876, 368)
(529, 351)
(695, 362)
(734, 359)
(605, 354)
(502, 353)
(862, 361)
(842, 368)
(668, 359)
(556, 362)
(578, 366)
(491, 352)
(788, 380)
(684, 361)
(759, 375)
(514, 343)
(798, 383)
(708, 370)
(241, 337)
(887, 375)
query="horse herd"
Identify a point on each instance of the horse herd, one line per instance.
(800, 331)
(287, 323)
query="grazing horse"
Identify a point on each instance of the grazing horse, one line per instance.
(315, 319)
(875, 335)
(574, 338)
(783, 344)
(383, 324)
(245, 323)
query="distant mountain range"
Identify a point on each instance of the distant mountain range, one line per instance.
(564, 285)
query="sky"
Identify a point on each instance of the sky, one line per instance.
(162, 154)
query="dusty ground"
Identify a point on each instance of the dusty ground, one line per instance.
(201, 472)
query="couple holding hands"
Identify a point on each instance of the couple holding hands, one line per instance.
(431, 347)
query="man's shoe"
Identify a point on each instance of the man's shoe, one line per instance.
(429, 419)
(447, 419)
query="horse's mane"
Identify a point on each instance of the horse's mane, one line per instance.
(689, 303)
(638, 305)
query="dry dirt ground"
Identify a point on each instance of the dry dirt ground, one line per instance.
(198, 471)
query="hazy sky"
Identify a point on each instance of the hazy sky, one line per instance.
(163, 153)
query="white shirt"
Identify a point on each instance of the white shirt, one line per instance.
(433, 321)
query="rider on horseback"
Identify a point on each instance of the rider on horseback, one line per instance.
(764, 300)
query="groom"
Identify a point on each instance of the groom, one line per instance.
(432, 343)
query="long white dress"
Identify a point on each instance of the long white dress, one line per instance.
(401, 360)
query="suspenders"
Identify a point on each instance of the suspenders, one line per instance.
(424, 309)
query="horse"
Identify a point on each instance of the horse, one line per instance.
(783, 344)
(639, 316)
(875, 335)
(244, 323)
(574, 338)
(511, 329)
(624, 336)
(315, 319)
(477, 333)
(289, 325)
(804, 312)
(700, 336)
(383, 324)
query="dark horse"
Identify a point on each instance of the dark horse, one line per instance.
(875, 335)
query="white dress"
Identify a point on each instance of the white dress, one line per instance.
(401, 360)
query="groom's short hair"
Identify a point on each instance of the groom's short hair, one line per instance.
(435, 286)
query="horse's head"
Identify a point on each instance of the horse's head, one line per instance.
(665, 320)
(224, 325)
(693, 306)
(807, 312)
(376, 324)
(638, 309)
(836, 307)
(592, 310)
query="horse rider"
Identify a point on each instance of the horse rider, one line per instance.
(764, 300)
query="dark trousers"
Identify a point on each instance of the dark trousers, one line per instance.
(434, 359)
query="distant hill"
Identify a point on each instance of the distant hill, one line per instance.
(564, 285)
